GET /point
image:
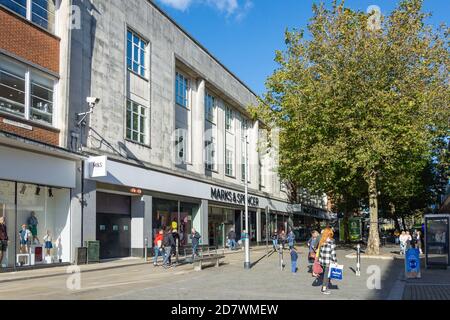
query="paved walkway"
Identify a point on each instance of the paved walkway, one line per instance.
(265, 281)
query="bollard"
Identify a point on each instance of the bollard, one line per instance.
(358, 260)
(145, 248)
(280, 253)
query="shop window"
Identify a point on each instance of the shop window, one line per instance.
(38, 230)
(7, 229)
(45, 213)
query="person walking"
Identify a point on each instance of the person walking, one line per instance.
(283, 238)
(291, 239)
(168, 243)
(313, 243)
(327, 254)
(402, 240)
(396, 237)
(195, 237)
(294, 258)
(232, 238)
(275, 240)
(158, 247)
(419, 241)
(3, 239)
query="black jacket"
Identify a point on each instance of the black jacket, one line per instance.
(232, 235)
(3, 233)
(195, 238)
(168, 240)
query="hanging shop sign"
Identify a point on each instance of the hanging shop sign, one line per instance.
(233, 197)
(97, 166)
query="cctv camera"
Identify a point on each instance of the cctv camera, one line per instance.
(92, 100)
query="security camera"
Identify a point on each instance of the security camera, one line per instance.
(92, 100)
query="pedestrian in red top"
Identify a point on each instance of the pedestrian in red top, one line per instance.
(158, 247)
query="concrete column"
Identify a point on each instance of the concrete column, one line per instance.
(141, 224)
(75, 214)
(90, 210)
(204, 232)
(198, 128)
(258, 225)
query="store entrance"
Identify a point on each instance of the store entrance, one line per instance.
(113, 232)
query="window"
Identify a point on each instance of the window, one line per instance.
(228, 119)
(136, 54)
(229, 162)
(211, 132)
(182, 90)
(137, 122)
(182, 119)
(210, 108)
(26, 93)
(41, 12)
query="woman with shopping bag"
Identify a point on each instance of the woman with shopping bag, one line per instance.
(326, 255)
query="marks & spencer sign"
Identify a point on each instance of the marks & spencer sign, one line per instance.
(233, 197)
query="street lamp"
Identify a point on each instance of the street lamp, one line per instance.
(246, 234)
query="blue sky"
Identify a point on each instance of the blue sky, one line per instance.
(244, 34)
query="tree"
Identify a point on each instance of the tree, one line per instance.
(356, 105)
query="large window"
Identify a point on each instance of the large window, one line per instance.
(182, 119)
(41, 12)
(211, 132)
(229, 142)
(137, 122)
(25, 92)
(136, 53)
(37, 220)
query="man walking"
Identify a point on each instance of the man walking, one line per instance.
(232, 238)
(195, 237)
(168, 243)
(294, 258)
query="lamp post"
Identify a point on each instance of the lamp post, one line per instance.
(247, 235)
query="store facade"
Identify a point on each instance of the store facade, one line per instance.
(37, 206)
(160, 200)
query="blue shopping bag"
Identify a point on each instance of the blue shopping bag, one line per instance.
(336, 271)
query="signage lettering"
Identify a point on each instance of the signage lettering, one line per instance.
(233, 197)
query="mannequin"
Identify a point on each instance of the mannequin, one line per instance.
(3, 238)
(48, 243)
(25, 236)
(32, 225)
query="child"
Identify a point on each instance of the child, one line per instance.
(48, 242)
(294, 257)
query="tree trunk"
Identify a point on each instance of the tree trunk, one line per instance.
(394, 216)
(403, 222)
(373, 243)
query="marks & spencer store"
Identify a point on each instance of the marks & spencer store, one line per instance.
(153, 200)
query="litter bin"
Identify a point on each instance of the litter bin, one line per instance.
(81, 257)
(93, 251)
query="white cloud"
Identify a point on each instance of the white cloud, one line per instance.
(238, 8)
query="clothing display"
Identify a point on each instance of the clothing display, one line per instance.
(25, 236)
(32, 224)
(48, 241)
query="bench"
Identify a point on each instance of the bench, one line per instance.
(212, 258)
(206, 255)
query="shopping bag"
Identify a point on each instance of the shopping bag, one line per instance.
(336, 271)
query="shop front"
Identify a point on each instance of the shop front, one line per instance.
(167, 201)
(35, 209)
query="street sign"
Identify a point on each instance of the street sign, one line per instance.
(412, 264)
